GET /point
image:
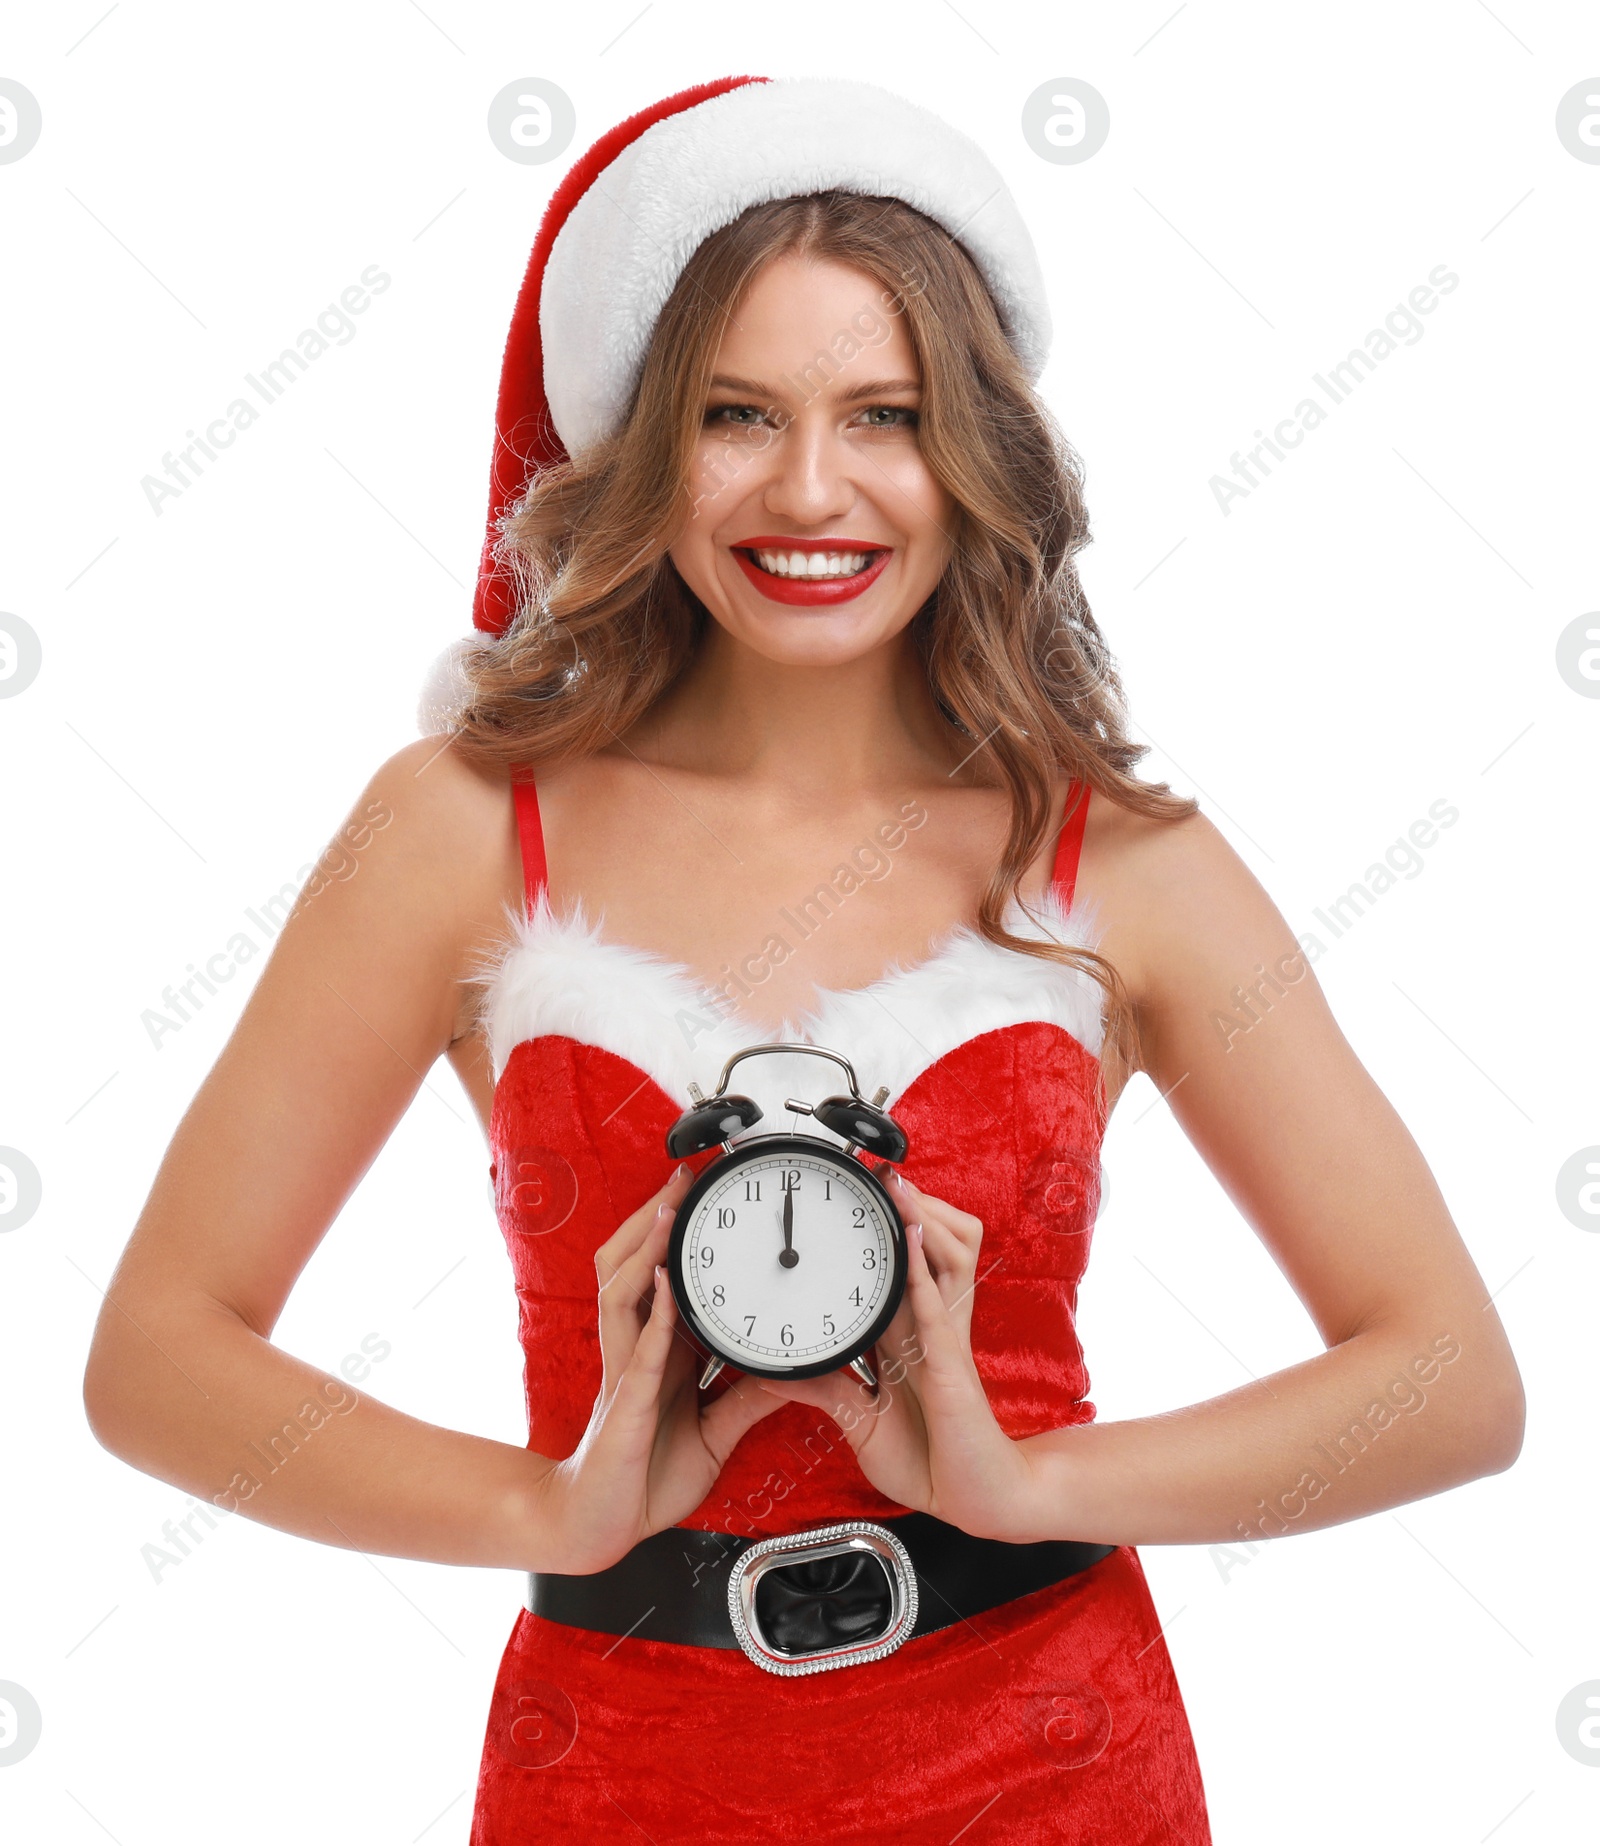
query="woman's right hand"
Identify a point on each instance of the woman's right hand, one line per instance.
(650, 1454)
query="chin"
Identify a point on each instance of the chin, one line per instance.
(811, 637)
(815, 635)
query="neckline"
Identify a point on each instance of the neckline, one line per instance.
(559, 975)
(1058, 898)
(796, 1025)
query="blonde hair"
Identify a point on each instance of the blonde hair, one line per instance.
(1013, 655)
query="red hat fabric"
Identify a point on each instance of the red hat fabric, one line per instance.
(525, 439)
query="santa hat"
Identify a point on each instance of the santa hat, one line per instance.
(629, 214)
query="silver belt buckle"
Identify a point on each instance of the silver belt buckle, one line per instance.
(828, 1541)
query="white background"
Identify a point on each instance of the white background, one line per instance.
(1372, 630)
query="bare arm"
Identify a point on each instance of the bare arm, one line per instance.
(1417, 1390)
(359, 998)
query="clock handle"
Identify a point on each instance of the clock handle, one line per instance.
(814, 1051)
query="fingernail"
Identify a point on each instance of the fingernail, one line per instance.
(682, 1170)
(899, 1180)
(658, 1275)
(916, 1232)
(663, 1211)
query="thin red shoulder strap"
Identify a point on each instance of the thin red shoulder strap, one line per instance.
(1071, 844)
(531, 833)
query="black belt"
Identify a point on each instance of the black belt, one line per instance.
(832, 1595)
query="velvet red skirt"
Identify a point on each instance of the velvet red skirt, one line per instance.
(1056, 1717)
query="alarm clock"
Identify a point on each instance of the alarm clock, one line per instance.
(787, 1257)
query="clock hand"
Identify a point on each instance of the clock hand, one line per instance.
(788, 1255)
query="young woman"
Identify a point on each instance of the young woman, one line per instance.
(789, 724)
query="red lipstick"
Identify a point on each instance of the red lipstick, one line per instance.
(811, 591)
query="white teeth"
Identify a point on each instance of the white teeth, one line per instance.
(813, 563)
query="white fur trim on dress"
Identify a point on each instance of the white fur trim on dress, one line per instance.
(626, 241)
(559, 975)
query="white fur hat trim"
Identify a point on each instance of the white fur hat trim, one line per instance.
(626, 241)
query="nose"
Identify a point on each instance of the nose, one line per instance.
(811, 480)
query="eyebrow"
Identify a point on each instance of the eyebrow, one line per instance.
(871, 387)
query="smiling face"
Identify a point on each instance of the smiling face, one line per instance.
(818, 529)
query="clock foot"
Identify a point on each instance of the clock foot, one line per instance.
(863, 1371)
(713, 1365)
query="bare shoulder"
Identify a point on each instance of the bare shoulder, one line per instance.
(445, 816)
(1139, 857)
(434, 783)
(433, 839)
(1180, 909)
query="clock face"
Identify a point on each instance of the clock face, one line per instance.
(786, 1258)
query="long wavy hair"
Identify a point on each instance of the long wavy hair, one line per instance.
(1013, 656)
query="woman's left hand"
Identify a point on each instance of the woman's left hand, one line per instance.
(928, 1438)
